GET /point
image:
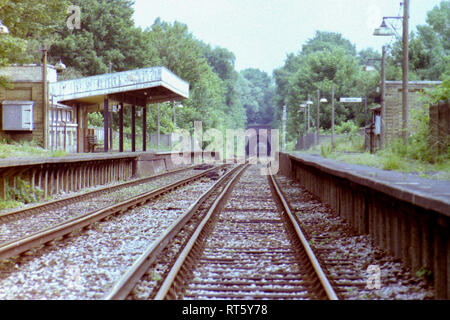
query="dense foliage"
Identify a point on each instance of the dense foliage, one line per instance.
(220, 96)
(328, 60)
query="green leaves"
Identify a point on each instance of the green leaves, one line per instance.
(326, 61)
(429, 48)
(107, 36)
(28, 21)
(257, 92)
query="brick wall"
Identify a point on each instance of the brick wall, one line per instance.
(26, 91)
(440, 127)
(393, 101)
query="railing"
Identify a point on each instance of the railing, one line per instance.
(47, 177)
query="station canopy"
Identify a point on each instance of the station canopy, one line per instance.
(137, 87)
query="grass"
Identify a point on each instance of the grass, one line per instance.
(26, 149)
(351, 150)
(10, 204)
(23, 193)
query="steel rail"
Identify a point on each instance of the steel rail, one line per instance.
(123, 287)
(78, 197)
(169, 280)
(314, 262)
(37, 239)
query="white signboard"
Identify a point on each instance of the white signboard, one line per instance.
(377, 125)
(351, 100)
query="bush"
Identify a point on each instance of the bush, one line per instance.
(392, 162)
(10, 204)
(348, 127)
(23, 192)
(325, 150)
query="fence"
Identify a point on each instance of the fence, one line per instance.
(440, 126)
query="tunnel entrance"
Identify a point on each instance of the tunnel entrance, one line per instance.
(259, 146)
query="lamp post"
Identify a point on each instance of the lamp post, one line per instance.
(175, 106)
(60, 66)
(384, 30)
(319, 101)
(405, 108)
(332, 118)
(44, 51)
(303, 107)
(284, 120)
(316, 139)
(308, 103)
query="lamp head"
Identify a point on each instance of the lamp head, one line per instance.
(60, 66)
(3, 29)
(383, 30)
(369, 68)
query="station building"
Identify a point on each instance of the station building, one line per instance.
(55, 113)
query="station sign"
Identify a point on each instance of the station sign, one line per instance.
(351, 100)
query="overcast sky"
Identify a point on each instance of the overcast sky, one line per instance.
(261, 32)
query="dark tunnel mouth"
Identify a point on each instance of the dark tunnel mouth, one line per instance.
(262, 134)
(256, 149)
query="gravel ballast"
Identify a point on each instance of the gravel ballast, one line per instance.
(88, 263)
(23, 226)
(333, 240)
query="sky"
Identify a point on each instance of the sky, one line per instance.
(262, 32)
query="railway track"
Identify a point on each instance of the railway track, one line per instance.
(49, 235)
(350, 260)
(16, 214)
(244, 244)
(168, 244)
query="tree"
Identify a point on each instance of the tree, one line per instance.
(429, 48)
(180, 52)
(222, 61)
(326, 61)
(324, 41)
(30, 23)
(258, 92)
(107, 36)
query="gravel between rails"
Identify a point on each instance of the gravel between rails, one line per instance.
(87, 264)
(35, 222)
(249, 251)
(240, 248)
(333, 240)
(150, 282)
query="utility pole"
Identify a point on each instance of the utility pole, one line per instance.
(284, 126)
(45, 95)
(405, 108)
(383, 92)
(318, 119)
(308, 104)
(332, 118)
